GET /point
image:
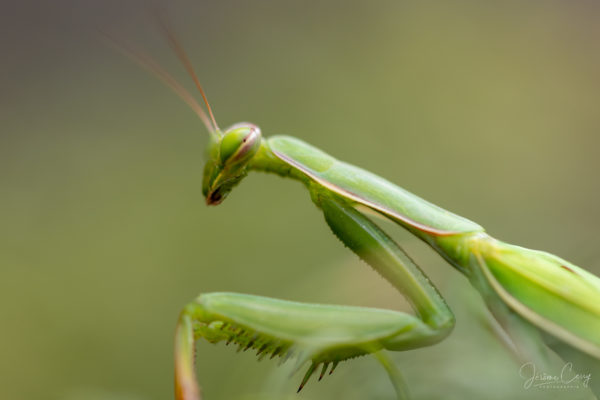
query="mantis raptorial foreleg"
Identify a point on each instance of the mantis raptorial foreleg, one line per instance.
(323, 334)
(433, 320)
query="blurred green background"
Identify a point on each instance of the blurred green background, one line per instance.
(488, 109)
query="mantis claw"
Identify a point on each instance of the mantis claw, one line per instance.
(307, 376)
(276, 352)
(335, 364)
(286, 357)
(325, 365)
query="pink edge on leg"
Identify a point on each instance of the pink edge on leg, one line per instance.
(186, 387)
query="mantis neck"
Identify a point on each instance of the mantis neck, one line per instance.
(266, 161)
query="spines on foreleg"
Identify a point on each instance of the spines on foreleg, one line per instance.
(230, 318)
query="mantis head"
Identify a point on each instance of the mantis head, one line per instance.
(229, 152)
(228, 159)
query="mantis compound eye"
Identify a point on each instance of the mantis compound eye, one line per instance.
(229, 161)
(239, 144)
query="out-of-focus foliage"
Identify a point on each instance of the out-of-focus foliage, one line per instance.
(489, 109)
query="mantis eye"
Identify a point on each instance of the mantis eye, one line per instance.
(239, 144)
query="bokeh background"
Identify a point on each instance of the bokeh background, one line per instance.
(489, 109)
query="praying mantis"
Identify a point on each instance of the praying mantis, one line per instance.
(532, 294)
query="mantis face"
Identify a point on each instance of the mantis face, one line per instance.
(229, 156)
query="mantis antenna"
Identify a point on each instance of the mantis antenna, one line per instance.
(152, 66)
(181, 54)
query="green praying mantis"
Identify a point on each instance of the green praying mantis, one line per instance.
(529, 292)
